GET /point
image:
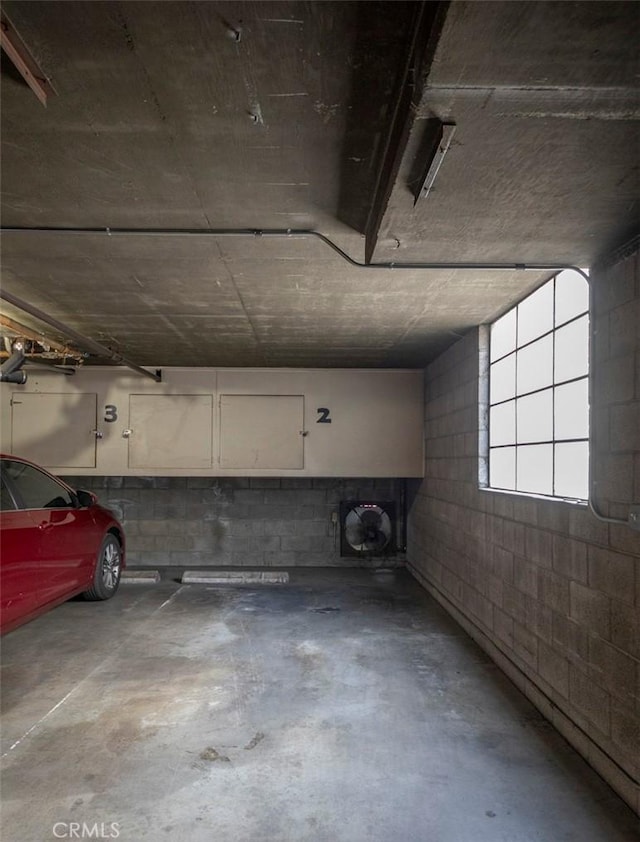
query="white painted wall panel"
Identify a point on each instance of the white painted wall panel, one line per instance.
(359, 422)
(56, 430)
(262, 431)
(170, 431)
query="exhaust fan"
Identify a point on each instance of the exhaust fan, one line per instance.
(367, 529)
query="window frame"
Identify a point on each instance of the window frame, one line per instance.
(486, 447)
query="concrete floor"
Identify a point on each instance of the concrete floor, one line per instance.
(343, 707)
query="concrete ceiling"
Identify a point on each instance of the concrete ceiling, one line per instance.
(310, 115)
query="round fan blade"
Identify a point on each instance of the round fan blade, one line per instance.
(377, 542)
(367, 528)
(355, 535)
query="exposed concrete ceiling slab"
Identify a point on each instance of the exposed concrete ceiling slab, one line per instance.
(544, 160)
(267, 115)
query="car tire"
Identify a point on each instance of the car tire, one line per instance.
(108, 568)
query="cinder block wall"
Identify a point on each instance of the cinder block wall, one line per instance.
(213, 521)
(549, 591)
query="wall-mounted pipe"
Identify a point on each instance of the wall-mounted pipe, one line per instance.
(279, 232)
(84, 341)
(10, 370)
(22, 332)
(19, 377)
(67, 371)
(592, 413)
(307, 232)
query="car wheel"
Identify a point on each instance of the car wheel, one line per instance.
(108, 568)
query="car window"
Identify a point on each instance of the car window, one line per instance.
(37, 490)
(7, 503)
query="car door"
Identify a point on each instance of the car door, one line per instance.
(66, 538)
(19, 566)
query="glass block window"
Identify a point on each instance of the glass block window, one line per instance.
(539, 392)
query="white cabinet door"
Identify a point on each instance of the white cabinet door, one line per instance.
(54, 430)
(170, 431)
(262, 431)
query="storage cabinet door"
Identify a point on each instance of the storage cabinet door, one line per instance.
(54, 430)
(170, 431)
(262, 431)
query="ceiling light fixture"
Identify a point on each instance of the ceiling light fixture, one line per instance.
(441, 146)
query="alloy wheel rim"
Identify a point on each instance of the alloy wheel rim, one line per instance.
(110, 565)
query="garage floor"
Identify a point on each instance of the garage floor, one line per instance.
(343, 707)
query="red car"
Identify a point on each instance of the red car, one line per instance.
(55, 542)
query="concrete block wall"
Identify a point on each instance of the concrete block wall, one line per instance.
(548, 590)
(215, 522)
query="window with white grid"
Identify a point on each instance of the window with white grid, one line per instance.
(539, 392)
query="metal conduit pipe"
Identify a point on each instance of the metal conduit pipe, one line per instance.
(278, 232)
(308, 232)
(83, 341)
(591, 380)
(10, 369)
(50, 366)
